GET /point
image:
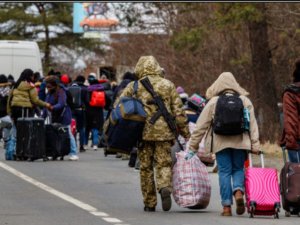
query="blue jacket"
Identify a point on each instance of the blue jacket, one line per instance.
(61, 111)
(42, 92)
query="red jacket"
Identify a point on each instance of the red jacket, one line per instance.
(291, 111)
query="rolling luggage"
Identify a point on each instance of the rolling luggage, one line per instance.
(290, 187)
(58, 143)
(262, 190)
(133, 157)
(191, 183)
(125, 125)
(30, 144)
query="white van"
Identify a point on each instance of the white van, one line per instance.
(15, 56)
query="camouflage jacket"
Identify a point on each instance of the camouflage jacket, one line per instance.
(160, 131)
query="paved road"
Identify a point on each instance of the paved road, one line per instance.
(95, 190)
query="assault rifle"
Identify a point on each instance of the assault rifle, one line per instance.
(162, 110)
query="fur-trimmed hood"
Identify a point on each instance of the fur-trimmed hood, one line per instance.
(37, 84)
(5, 84)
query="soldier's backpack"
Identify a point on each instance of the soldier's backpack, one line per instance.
(229, 115)
(124, 127)
(74, 92)
(98, 99)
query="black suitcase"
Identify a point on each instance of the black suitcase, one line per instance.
(133, 157)
(57, 141)
(30, 144)
(290, 187)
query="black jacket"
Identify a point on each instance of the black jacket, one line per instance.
(122, 86)
(94, 115)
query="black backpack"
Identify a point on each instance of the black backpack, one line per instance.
(69, 99)
(229, 115)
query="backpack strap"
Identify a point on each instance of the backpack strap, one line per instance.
(135, 88)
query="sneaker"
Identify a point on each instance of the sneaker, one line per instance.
(119, 155)
(149, 209)
(81, 149)
(166, 200)
(95, 147)
(85, 147)
(125, 157)
(73, 158)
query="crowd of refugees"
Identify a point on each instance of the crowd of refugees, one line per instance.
(48, 97)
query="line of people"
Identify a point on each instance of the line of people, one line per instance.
(55, 94)
(229, 144)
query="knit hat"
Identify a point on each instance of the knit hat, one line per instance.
(92, 75)
(180, 90)
(64, 79)
(3, 79)
(129, 76)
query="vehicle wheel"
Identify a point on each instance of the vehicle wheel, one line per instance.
(113, 27)
(86, 27)
(287, 214)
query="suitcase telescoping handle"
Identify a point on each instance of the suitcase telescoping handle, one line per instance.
(23, 112)
(284, 156)
(261, 153)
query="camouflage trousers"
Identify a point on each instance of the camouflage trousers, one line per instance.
(158, 152)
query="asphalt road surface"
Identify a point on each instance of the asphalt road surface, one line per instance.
(97, 190)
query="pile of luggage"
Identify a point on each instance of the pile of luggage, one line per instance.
(37, 140)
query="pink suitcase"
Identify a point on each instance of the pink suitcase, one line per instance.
(262, 190)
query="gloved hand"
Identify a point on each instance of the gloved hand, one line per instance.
(189, 155)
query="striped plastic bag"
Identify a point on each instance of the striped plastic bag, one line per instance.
(191, 183)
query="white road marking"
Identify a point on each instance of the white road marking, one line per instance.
(61, 195)
(99, 213)
(112, 220)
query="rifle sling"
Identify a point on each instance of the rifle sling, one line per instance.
(155, 117)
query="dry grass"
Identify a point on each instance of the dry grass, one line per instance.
(272, 150)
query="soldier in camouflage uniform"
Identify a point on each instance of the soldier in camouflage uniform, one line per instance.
(157, 137)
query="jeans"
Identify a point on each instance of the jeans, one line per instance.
(95, 133)
(79, 116)
(293, 155)
(230, 164)
(73, 143)
(13, 131)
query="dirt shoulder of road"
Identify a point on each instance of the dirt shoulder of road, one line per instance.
(273, 157)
